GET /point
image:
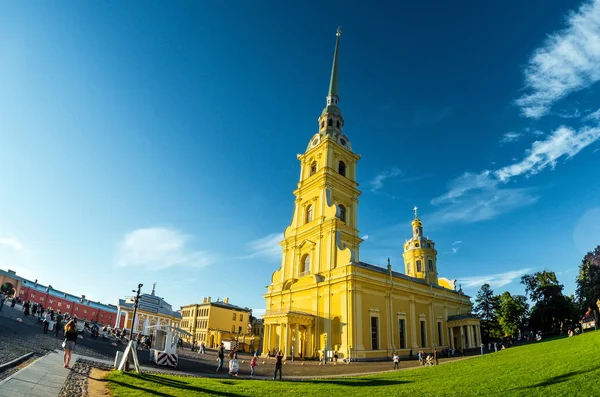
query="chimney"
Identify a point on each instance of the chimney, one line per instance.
(226, 300)
(208, 299)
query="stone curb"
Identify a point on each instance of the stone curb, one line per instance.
(16, 361)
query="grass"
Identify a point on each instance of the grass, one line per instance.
(559, 367)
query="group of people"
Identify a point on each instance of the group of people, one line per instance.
(199, 348)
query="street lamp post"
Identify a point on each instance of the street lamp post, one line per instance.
(293, 344)
(135, 306)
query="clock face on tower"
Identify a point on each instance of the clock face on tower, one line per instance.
(342, 142)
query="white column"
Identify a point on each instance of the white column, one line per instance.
(309, 341)
(297, 339)
(118, 318)
(451, 341)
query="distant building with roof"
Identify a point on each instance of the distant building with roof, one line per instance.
(152, 310)
(49, 297)
(213, 322)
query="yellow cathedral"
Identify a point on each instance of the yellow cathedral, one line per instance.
(323, 300)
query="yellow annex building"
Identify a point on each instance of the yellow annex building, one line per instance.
(323, 299)
(213, 322)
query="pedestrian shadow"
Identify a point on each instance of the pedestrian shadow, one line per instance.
(357, 382)
(554, 380)
(173, 383)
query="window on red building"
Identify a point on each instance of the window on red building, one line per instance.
(101, 314)
(68, 306)
(51, 301)
(76, 309)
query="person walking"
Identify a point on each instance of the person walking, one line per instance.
(252, 365)
(221, 354)
(278, 365)
(58, 325)
(396, 360)
(46, 321)
(69, 342)
(2, 298)
(435, 356)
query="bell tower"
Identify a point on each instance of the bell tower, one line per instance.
(324, 232)
(420, 255)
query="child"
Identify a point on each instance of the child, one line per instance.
(252, 365)
(396, 360)
(234, 366)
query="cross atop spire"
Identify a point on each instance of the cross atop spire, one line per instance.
(153, 288)
(415, 209)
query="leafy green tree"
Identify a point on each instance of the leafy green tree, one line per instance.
(486, 304)
(512, 313)
(552, 311)
(588, 281)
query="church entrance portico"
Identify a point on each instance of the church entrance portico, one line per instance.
(291, 332)
(464, 330)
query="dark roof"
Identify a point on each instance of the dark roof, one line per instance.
(462, 316)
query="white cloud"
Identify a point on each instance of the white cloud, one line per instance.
(510, 137)
(379, 180)
(455, 249)
(266, 247)
(11, 243)
(457, 242)
(592, 116)
(475, 197)
(159, 248)
(567, 62)
(538, 132)
(562, 142)
(494, 280)
(365, 237)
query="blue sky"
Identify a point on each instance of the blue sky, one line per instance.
(155, 141)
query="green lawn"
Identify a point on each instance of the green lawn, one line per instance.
(560, 367)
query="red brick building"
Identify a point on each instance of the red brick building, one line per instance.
(49, 297)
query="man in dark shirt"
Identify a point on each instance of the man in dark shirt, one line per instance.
(278, 364)
(221, 354)
(58, 325)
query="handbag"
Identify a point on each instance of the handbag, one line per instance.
(64, 344)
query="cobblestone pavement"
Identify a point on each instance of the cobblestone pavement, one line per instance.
(17, 339)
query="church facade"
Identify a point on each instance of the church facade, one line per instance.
(324, 299)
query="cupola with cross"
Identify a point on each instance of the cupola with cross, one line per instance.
(420, 255)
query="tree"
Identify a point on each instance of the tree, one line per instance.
(552, 310)
(485, 308)
(512, 313)
(588, 281)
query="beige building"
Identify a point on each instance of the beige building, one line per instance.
(152, 310)
(213, 322)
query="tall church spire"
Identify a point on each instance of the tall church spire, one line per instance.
(333, 83)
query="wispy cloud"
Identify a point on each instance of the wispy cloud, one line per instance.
(11, 243)
(455, 249)
(457, 242)
(365, 237)
(510, 137)
(159, 248)
(592, 116)
(562, 142)
(475, 197)
(265, 247)
(379, 180)
(494, 280)
(567, 62)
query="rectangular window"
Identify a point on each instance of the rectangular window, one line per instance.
(32, 296)
(84, 311)
(59, 304)
(76, 309)
(42, 298)
(241, 317)
(240, 330)
(402, 333)
(51, 301)
(440, 335)
(102, 315)
(374, 333)
(423, 334)
(233, 329)
(68, 306)
(233, 316)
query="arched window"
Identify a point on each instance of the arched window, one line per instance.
(313, 168)
(304, 264)
(330, 122)
(342, 213)
(430, 265)
(323, 124)
(309, 214)
(338, 124)
(342, 168)
(419, 266)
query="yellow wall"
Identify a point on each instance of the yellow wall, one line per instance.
(200, 319)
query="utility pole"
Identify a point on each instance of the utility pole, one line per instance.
(135, 306)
